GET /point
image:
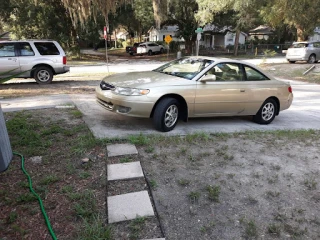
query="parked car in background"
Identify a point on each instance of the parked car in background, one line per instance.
(133, 49)
(150, 48)
(38, 59)
(303, 51)
(195, 87)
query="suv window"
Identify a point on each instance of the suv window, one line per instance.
(47, 48)
(25, 49)
(7, 50)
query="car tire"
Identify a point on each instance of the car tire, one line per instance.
(292, 61)
(43, 75)
(149, 52)
(312, 59)
(161, 50)
(267, 112)
(131, 54)
(166, 114)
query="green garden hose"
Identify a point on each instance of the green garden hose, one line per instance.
(37, 196)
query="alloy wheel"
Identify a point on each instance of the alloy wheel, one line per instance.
(171, 116)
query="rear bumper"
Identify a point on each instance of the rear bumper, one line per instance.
(296, 58)
(62, 70)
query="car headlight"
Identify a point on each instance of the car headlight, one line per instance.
(130, 91)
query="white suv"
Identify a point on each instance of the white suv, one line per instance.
(38, 59)
(149, 48)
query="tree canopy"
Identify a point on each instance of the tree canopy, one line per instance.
(304, 15)
(65, 20)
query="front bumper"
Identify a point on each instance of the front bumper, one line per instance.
(134, 106)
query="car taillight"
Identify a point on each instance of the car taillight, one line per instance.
(64, 60)
(290, 89)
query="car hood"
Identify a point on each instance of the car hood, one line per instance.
(144, 80)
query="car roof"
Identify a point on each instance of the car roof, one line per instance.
(217, 59)
(148, 42)
(220, 60)
(29, 40)
(305, 42)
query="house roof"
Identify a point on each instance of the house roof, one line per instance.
(167, 28)
(215, 30)
(5, 35)
(261, 30)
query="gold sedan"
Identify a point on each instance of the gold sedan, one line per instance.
(195, 87)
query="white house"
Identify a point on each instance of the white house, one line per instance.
(214, 37)
(160, 34)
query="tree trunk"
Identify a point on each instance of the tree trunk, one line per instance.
(236, 42)
(188, 44)
(301, 34)
(157, 12)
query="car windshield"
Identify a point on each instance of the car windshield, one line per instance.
(186, 68)
(299, 45)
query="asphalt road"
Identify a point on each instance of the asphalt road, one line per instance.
(304, 113)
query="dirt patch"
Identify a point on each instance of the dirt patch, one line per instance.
(24, 89)
(242, 186)
(294, 71)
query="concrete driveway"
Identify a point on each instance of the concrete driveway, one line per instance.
(303, 114)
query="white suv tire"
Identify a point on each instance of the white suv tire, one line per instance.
(43, 75)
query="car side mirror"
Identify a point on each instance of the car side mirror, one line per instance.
(208, 78)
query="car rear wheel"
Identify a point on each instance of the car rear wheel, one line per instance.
(161, 50)
(43, 75)
(150, 53)
(166, 114)
(312, 58)
(267, 112)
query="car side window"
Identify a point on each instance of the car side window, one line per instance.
(25, 49)
(7, 50)
(47, 48)
(226, 72)
(254, 75)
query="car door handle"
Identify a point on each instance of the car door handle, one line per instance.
(13, 59)
(242, 90)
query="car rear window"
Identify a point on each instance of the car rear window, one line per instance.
(47, 48)
(299, 45)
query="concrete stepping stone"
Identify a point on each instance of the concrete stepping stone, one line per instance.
(121, 149)
(129, 206)
(124, 171)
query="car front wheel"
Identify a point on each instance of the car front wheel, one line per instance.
(150, 53)
(267, 112)
(43, 75)
(166, 114)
